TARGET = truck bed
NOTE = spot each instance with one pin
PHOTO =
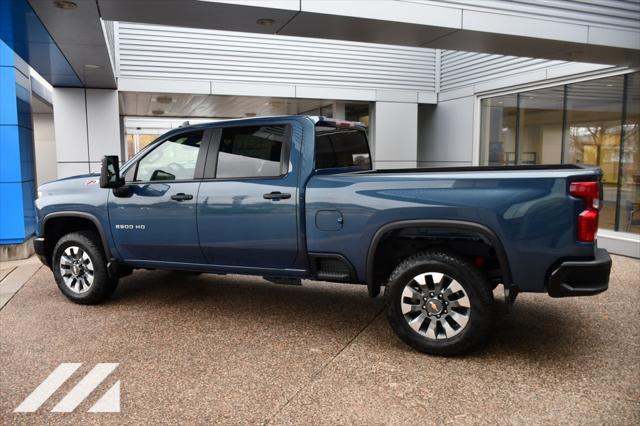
(527, 208)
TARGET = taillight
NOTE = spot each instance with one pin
(588, 219)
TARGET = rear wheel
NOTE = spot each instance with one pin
(439, 303)
(80, 268)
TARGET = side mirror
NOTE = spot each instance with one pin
(110, 172)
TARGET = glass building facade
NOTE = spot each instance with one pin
(594, 122)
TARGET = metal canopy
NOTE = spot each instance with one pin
(78, 33)
(534, 30)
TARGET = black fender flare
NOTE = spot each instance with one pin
(84, 215)
(485, 231)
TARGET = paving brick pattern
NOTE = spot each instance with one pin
(238, 350)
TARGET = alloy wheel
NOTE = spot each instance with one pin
(76, 269)
(435, 305)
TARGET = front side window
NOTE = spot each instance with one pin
(338, 147)
(173, 159)
(252, 151)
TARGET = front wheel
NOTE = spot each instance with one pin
(80, 268)
(439, 304)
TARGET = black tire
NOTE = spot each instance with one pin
(102, 286)
(479, 318)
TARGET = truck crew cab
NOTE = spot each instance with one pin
(294, 197)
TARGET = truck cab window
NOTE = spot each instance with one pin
(173, 159)
(253, 151)
(338, 147)
(130, 174)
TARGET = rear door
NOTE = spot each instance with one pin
(247, 204)
(155, 220)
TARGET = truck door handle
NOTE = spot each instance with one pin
(181, 196)
(276, 195)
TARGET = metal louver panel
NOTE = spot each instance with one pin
(150, 51)
(460, 69)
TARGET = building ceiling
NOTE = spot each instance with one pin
(211, 106)
(78, 33)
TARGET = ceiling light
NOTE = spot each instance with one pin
(157, 112)
(65, 4)
(92, 66)
(265, 22)
(163, 99)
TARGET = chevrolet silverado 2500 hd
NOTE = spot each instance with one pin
(296, 197)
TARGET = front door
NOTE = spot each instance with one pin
(247, 204)
(154, 220)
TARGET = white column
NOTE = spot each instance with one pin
(446, 133)
(338, 111)
(44, 147)
(103, 118)
(87, 127)
(395, 130)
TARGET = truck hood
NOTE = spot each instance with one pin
(79, 183)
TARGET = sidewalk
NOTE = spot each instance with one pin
(14, 274)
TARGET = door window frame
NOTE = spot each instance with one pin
(200, 161)
(211, 162)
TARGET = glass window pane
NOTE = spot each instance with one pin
(357, 112)
(540, 135)
(336, 147)
(173, 159)
(498, 131)
(136, 142)
(253, 151)
(629, 220)
(594, 118)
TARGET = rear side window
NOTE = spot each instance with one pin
(338, 147)
(252, 151)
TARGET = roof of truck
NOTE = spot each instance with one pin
(316, 119)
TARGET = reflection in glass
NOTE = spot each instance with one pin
(251, 151)
(577, 123)
(137, 141)
(498, 130)
(173, 159)
(629, 211)
(594, 122)
(540, 122)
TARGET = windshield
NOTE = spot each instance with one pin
(341, 147)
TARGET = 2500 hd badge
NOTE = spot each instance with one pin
(130, 227)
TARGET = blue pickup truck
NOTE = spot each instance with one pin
(291, 198)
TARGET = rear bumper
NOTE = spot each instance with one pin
(581, 278)
(38, 247)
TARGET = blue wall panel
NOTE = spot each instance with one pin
(17, 177)
(12, 223)
(10, 154)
